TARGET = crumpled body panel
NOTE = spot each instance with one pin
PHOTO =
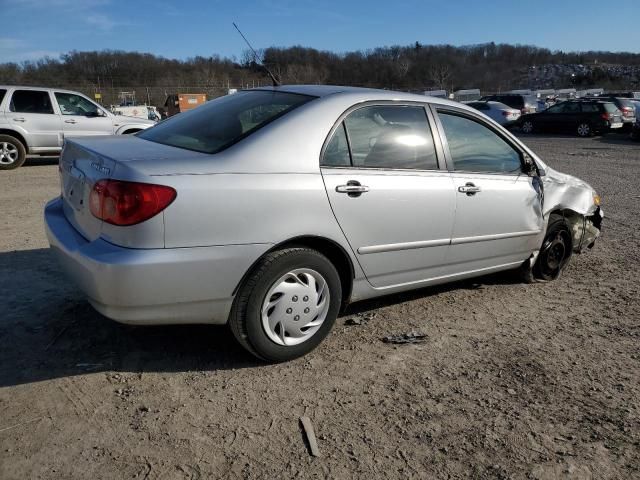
(565, 191)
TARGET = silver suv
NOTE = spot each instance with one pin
(37, 120)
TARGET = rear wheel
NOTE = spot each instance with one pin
(12, 152)
(584, 130)
(527, 126)
(287, 305)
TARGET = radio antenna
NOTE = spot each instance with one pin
(275, 81)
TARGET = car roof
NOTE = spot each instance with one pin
(31, 87)
(360, 94)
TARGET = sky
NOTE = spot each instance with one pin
(188, 28)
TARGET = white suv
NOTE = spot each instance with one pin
(37, 120)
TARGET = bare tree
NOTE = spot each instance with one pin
(440, 74)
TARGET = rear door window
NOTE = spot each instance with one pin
(31, 101)
(476, 148)
(590, 108)
(220, 123)
(571, 107)
(391, 136)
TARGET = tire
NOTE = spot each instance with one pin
(273, 298)
(12, 152)
(527, 126)
(584, 130)
(555, 251)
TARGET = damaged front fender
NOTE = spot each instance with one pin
(576, 201)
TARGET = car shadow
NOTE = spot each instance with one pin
(37, 160)
(617, 139)
(477, 283)
(48, 330)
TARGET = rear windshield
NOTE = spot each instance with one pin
(222, 122)
(625, 102)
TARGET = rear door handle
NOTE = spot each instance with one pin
(353, 188)
(469, 188)
(70, 121)
(19, 119)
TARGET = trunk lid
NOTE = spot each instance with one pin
(85, 161)
(80, 169)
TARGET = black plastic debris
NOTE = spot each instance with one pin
(411, 337)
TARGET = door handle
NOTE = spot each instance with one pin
(353, 188)
(469, 188)
(19, 119)
(70, 121)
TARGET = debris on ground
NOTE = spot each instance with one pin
(360, 319)
(311, 436)
(411, 337)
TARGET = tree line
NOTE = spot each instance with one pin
(489, 67)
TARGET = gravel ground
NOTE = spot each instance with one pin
(512, 380)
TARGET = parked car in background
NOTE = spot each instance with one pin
(635, 131)
(582, 117)
(524, 103)
(499, 112)
(626, 106)
(38, 120)
(273, 221)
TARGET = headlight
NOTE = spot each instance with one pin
(596, 199)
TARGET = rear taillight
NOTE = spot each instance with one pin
(505, 113)
(607, 116)
(127, 203)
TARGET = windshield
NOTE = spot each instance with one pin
(222, 122)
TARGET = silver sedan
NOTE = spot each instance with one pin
(499, 112)
(271, 209)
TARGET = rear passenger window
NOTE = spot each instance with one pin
(476, 148)
(337, 152)
(391, 136)
(590, 108)
(571, 107)
(31, 101)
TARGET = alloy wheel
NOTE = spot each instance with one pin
(527, 127)
(584, 129)
(8, 153)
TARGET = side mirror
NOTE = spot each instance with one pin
(95, 113)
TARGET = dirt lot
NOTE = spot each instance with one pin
(513, 381)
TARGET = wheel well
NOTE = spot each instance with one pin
(330, 249)
(15, 134)
(129, 131)
(575, 221)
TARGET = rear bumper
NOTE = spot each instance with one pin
(150, 286)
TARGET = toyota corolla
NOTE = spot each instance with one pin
(273, 208)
